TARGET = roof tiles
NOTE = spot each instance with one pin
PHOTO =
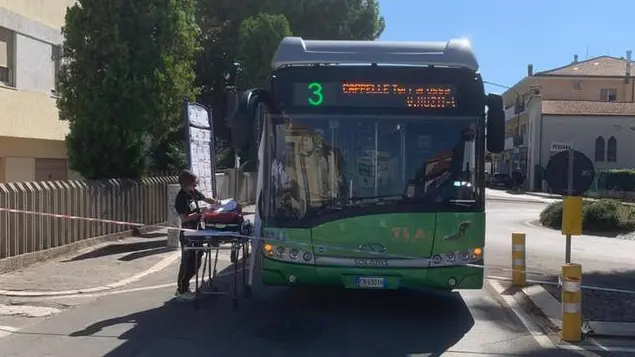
(579, 107)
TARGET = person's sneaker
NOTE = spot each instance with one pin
(186, 296)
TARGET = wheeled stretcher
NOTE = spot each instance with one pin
(221, 231)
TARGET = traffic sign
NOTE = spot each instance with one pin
(557, 173)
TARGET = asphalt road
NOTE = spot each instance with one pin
(606, 262)
(277, 322)
(143, 321)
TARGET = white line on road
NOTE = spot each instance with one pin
(7, 330)
(597, 348)
(543, 340)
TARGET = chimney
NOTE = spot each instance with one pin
(628, 64)
(530, 70)
(575, 58)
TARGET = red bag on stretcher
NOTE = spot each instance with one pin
(226, 221)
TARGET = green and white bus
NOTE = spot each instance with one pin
(371, 164)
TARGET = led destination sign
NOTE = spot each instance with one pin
(357, 94)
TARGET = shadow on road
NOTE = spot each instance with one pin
(137, 250)
(279, 321)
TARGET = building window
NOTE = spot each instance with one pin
(611, 151)
(56, 57)
(608, 94)
(599, 149)
(6, 56)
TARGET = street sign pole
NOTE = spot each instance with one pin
(567, 253)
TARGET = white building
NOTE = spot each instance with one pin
(603, 131)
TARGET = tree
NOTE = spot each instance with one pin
(218, 67)
(258, 38)
(127, 66)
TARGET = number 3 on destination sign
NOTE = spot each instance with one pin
(316, 90)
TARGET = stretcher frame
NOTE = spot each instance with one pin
(212, 241)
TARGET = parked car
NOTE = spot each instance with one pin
(500, 180)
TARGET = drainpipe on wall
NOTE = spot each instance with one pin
(628, 74)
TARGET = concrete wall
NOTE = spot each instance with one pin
(582, 131)
(30, 128)
(30, 106)
(48, 12)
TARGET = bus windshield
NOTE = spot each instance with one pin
(326, 163)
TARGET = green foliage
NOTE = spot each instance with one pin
(226, 23)
(258, 38)
(599, 216)
(127, 67)
(619, 179)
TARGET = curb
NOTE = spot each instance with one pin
(164, 263)
(514, 200)
(551, 307)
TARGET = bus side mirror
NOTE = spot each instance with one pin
(495, 124)
(242, 124)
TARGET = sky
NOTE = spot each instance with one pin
(508, 35)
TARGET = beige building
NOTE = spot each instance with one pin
(31, 134)
(599, 79)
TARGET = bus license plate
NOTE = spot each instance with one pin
(371, 282)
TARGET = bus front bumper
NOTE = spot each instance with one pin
(438, 278)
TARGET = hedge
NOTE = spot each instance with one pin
(598, 216)
(618, 179)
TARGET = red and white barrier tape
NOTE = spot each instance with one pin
(100, 220)
(256, 238)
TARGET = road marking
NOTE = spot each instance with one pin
(28, 310)
(570, 347)
(7, 330)
(543, 340)
(597, 343)
(162, 264)
(131, 290)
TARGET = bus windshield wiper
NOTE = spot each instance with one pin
(384, 197)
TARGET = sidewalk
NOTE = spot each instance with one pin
(98, 268)
(559, 197)
(502, 195)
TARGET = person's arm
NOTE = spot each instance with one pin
(181, 207)
(201, 197)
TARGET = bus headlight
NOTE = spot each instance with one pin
(457, 257)
(288, 254)
(307, 256)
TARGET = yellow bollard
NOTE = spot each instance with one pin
(519, 276)
(571, 330)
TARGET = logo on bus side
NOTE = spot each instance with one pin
(405, 233)
(377, 248)
(460, 232)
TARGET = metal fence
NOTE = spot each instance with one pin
(141, 201)
(138, 201)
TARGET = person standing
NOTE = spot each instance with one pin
(187, 206)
